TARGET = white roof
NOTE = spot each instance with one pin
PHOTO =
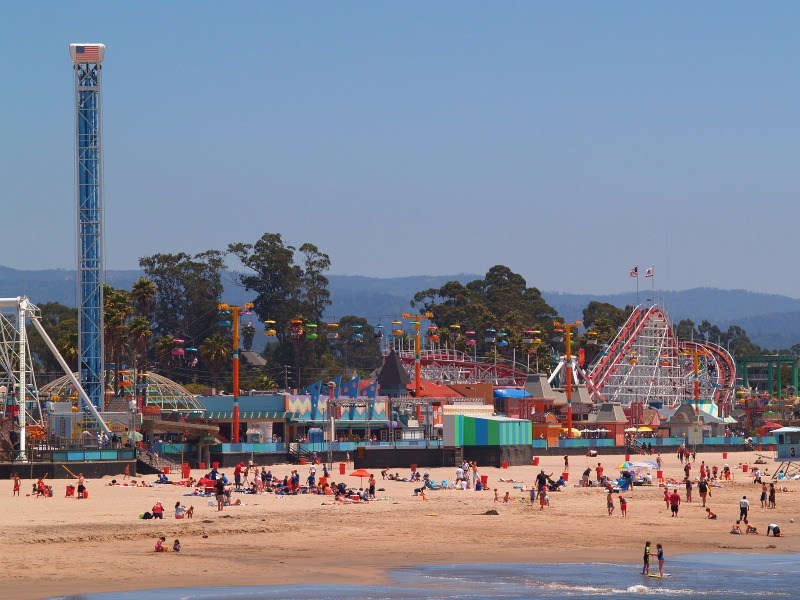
(785, 430)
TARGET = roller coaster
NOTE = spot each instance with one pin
(644, 362)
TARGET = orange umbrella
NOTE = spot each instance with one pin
(360, 473)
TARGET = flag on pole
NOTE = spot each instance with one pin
(635, 271)
(87, 53)
(649, 272)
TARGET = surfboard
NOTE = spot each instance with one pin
(657, 576)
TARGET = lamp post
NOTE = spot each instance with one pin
(568, 369)
(417, 365)
(234, 310)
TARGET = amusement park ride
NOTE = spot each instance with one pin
(645, 363)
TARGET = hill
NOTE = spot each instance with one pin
(770, 320)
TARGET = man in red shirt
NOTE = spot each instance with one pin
(599, 471)
(674, 502)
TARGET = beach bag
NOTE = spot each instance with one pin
(147, 515)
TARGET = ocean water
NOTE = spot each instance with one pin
(708, 576)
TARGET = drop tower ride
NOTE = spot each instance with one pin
(86, 62)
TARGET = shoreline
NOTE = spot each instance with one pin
(100, 545)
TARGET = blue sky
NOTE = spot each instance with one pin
(568, 141)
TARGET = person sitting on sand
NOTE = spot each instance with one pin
(507, 498)
(710, 514)
(749, 528)
(180, 510)
(176, 546)
(736, 529)
(160, 544)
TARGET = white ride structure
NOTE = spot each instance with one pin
(16, 368)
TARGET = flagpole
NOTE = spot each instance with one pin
(653, 283)
(637, 285)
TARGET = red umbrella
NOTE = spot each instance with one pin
(360, 473)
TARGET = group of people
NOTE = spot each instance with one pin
(160, 547)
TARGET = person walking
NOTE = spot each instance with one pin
(744, 506)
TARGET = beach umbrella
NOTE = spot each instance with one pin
(626, 465)
(645, 464)
(360, 473)
(645, 428)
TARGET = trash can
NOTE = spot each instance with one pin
(535, 461)
(342, 467)
(165, 469)
(724, 455)
(659, 475)
(504, 464)
(565, 475)
(186, 471)
(215, 465)
(413, 467)
(302, 460)
(202, 466)
(745, 468)
(485, 481)
(628, 457)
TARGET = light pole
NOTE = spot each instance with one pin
(417, 365)
(568, 369)
(234, 310)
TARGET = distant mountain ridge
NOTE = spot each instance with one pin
(770, 320)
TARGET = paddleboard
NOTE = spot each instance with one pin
(657, 576)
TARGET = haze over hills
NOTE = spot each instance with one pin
(770, 320)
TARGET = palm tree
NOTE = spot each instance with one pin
(139, 332)
(215, 352)
(163, 349)
(68, 348)
(143, 295)
(117, 310)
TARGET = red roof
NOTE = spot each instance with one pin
(430, 389)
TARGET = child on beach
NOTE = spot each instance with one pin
(710, 514)
(160, 544)
(610, 504)
(496, 495)
(15, 492)
(646, 567)
(623, 506)
(176, 546)
(542, 499)
(660, 555)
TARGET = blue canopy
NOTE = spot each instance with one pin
(511, 393)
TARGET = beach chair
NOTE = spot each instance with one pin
(445, 484)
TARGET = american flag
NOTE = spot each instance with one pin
(87, 53)
(635, 271)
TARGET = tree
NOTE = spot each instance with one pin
(188, 292)
(140, 332)
(275, 279)
(117, 309)
(143, 295)
(501, 301)
(61, 324)
(215, 353)
(313, 282)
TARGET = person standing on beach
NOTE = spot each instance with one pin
(702, 487)
(646, 566)
(771, 500)
(599, 471)
(660, 555)
(688, 490)
(610, 504)
(219, 488)
(566, 463)
(674, 502)
(623, 506)
(744, 505)
(659, 462)
(15, 477)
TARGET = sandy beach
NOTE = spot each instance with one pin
(57, 546)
